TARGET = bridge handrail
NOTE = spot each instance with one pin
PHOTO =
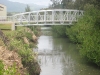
(6, 18)
(49, 10)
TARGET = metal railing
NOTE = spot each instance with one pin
(6, 18)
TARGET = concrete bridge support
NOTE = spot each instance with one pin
(13, 26)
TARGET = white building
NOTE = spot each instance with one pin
(3, 10)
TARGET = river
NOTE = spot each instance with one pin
(61, 57)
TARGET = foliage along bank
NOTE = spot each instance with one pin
(22, 41)
(59, 30)
(86, 32)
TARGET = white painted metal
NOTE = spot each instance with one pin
(6, 19)
(48, 17)
(44, 17)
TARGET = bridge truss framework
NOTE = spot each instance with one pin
(44, 17)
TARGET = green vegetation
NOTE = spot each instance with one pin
(10, 71)
(73, 4)
(5, 26)
(36, 29)
(1, 68)
(59, 30)
(86, 32)
(24, 50)
(27, 9)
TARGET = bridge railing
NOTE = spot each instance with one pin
(6, 18)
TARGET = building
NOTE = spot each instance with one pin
(3, 10)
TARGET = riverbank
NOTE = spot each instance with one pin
(19, 44)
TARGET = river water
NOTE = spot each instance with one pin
(58, 56)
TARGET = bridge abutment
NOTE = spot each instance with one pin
(13, 26)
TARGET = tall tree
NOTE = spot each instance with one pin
(67, 4)
(56, 4)
(27, 9)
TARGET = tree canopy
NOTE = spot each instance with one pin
(73, 4)
(27, 9)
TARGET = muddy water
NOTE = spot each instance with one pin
(57, 56)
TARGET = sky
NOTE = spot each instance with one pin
(38, 2)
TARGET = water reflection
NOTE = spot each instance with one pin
(57, 64)
(45, 43)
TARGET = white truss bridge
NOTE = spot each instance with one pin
(43, 17)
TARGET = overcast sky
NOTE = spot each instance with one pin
(38, 2)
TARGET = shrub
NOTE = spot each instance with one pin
(87, 32)
(24, 50)
(1, 68)
(10, 71)
(60, 30)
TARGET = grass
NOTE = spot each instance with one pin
(10, 71)
(5, 26)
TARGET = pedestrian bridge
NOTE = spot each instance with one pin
(44, 17)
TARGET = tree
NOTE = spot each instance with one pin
(62, 4)
(27, 9)
(66, 3)
(80, 4)
(73, 4)
(56, 4)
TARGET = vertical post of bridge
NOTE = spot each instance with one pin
(29, 16)
(67, 15)
(45, 17)
(70, 17)
(13, 26)
(37, 17)
(13, 23)
(20, 19)
(53, 13)
(61, 17)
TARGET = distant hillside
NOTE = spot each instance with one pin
(19, 7)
